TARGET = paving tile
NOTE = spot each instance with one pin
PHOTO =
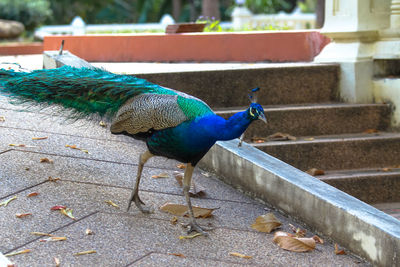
(99, 172)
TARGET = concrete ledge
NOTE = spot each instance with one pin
(275, 46)
(360, 227)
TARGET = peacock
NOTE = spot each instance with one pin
(173, 124)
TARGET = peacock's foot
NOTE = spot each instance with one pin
(138, 202)
(193, 226)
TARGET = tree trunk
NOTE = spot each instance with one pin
(176, 9)
(320, 11)
(210, 9)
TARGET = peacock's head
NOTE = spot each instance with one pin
(256, 111)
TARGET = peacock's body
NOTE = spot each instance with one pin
(173, 124)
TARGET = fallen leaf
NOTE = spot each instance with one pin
(315, 172)
(67, 212)
(236, 254)
(339, 251)
(18, 252)
(370, 131)
(181, 166)
(89, 232)
(51, 179)
(27, 169)
(40, 138)
(194, 190)
(182, 210)
(71, 146)
(109, 202)
(295, 244)
(54, 239)
(386, 169)
(21, 215)
(57, 262)
(33, 194)
(41, 234)
(45, 160)
(256, 139)
(309, 139)
(174, 220)
(298, 231)
(161, 175)
(5, 202)
(318, 239)
(58, 207)
(17, 145)
(177, 254)
(85, 252)
(102, 124)
(280, 137)
(266, 223)
(189, 236)
(2, 118)
(77, 148)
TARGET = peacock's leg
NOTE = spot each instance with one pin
(135, 192)
(187, 179)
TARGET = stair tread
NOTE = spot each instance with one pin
(365, 172)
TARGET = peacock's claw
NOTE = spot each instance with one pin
(193, 226)
(138, 202)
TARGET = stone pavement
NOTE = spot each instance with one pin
(122, 238)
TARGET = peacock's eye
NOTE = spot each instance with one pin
(253, 111)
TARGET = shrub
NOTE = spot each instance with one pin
(29, 12)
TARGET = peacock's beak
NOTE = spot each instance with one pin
(262, 117)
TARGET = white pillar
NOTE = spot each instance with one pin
(241, 17)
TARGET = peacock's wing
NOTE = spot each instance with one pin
(156, 111)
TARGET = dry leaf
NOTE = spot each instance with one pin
(295, 244)
(71, 146)
(102, 124)
(57, 262)
(177, 254)
(161, 175)
(22, 215)
(181, 166)
(41, 234)
(386, 169)
(280, 137)
(51, 179)
(5, 202)
(309, 139)
(370, 131)
(2, 118)
(256, 139)
(58, 207)
(54, 239)
(33, 194)
(85, 252)
(174, 220)
(189, 236)
(18, 252)
(77, 148)
(89, 232)
(182, 210)
(236, 254)
(194, 190)
(318, 239)
(39, 138)
(315, 172)
(109, 202)
(17, 145)
(339, 251)
(266, 223)
(298, 231)
(45, 160)
(67, 212)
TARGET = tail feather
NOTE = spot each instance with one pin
(85, 91)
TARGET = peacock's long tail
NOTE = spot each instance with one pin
(86, 91)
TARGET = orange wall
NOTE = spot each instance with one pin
(283, 46)
(21, 48)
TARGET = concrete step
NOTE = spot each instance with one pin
(369, 185)
(334, 152)
(286, 83)
(317, 119)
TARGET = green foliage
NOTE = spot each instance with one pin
(212, 25)
(30, 12)
(308, 6)
(269, 6)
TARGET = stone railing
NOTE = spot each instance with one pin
(242, 18)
